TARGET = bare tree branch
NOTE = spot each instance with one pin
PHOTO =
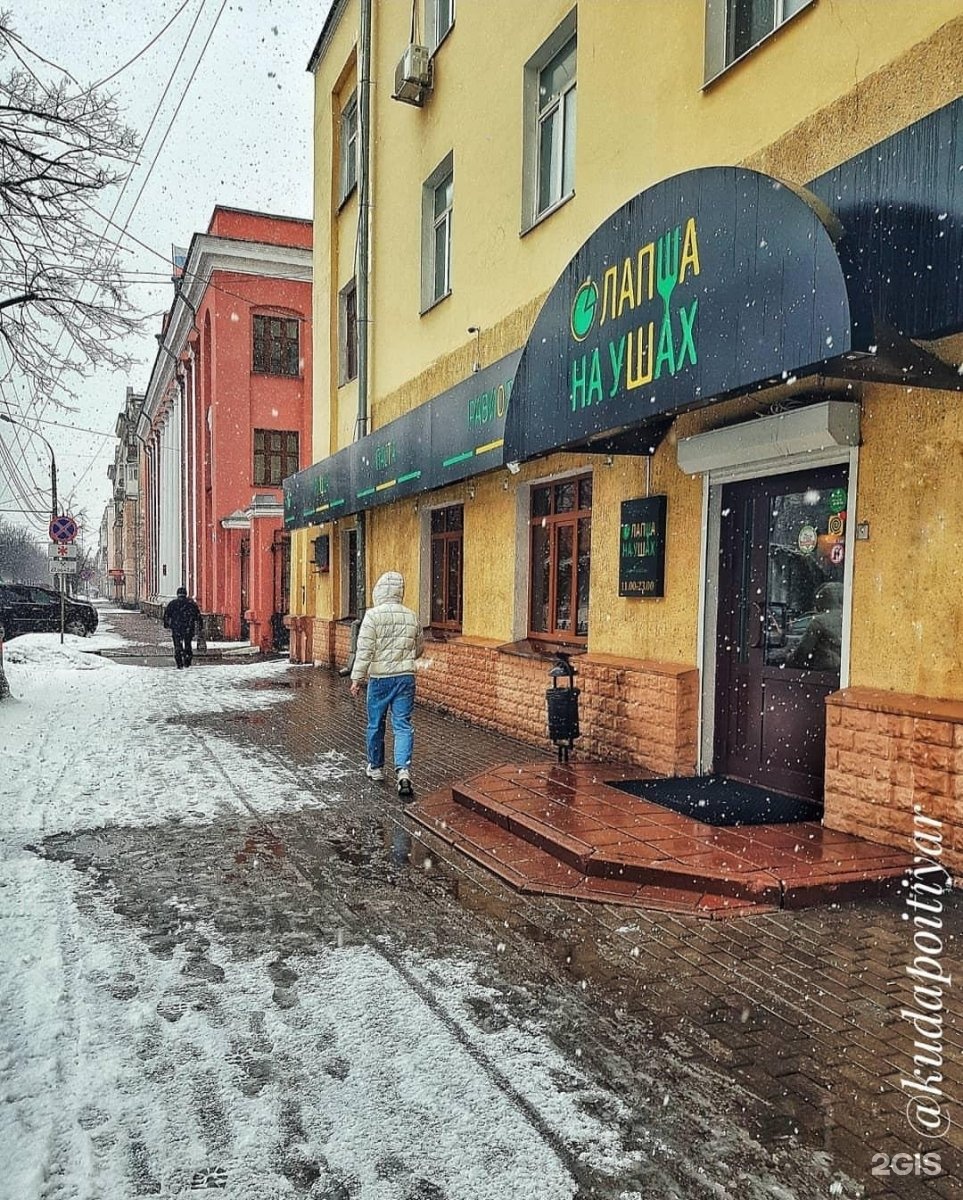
(63, 301)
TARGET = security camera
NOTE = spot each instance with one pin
(513, 467)
(473, 329)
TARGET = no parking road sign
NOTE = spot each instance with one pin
(63, 529)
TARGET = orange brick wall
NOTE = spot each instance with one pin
(630, 711)
(887, 753)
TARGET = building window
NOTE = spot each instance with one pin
(350, 572)
(276, 346)
(436, 234)
(275, 456)
(561, 537)
(441, 17)
(349, 147)
(348, 332)
(447, 526)
(734, 27)
(549, 128)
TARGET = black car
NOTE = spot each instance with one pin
(28, 609)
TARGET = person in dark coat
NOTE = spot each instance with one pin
(183, 618)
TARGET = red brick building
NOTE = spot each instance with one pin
(227, 416)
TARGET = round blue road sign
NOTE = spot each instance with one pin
(63, 529)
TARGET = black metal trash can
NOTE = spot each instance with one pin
(562, 704)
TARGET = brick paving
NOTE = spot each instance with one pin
(790, 1018)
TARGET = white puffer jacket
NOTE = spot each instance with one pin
(389, 639)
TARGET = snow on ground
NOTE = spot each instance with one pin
(124, 1073)
(86, 742)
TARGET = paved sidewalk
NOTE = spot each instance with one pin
(786, 1023)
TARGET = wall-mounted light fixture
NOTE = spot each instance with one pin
(608, 460)
(471, 491)
(476, 365)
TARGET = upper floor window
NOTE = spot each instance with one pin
(733, 27)
(275, 456)
(349, 146)
(440, 17)
(561, 541)
(447, 525)
(348, 332)
(437, 196)
(276, 346)
(549, 127)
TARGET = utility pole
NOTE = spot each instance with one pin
(53, 498)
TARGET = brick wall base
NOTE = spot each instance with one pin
(630, 710)
(892, 757)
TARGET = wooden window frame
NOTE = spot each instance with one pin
(264, 339)
(441, 543)
(285, 455)
(553, 521)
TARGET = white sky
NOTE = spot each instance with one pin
(242, 137)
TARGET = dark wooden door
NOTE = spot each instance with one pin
(779, 627)
(245, 596)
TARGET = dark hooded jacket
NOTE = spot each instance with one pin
(182, 617)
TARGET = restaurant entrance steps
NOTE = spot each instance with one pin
(565, 830)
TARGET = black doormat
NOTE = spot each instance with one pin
(715, 800)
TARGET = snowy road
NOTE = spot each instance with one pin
(146, 1047)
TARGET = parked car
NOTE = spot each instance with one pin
(28, 609)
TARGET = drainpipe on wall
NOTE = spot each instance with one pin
(363, 267)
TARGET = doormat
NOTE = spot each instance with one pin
(715, 800)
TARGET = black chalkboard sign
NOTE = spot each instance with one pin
(642, 547)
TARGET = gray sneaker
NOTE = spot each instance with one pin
(375, 773)
(405, 787)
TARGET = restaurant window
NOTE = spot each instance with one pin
(275, 456)
(734, 27)
(349, 147)
(560, 542)
(447, 526)
(437, 197)
(350, 572)
(549, 127)
(276, 346)
(348, 332)
(440, 18)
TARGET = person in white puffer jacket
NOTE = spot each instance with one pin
(389, 641)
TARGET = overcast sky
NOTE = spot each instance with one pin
(241, 137)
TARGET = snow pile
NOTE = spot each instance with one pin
(44, 651)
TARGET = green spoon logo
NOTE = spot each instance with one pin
(583, 310)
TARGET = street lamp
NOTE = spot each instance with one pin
(53, 462)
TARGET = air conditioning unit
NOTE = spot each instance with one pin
(413, 76)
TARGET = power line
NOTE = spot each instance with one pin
(130, 62)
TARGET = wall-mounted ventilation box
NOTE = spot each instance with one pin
(413, 76)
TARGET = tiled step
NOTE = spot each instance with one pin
(531, 870)
(548, 828)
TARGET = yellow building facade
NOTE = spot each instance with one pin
(663, 328)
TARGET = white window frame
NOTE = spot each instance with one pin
(535, 115)
(430, 224)
(435, 28)
(348, 145)
(718, 13)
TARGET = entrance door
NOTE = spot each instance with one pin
(245, 597)
(779, 627)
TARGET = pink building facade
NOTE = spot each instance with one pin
(226, 417)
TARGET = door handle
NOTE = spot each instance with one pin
(755, 634)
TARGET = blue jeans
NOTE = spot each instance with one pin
(397, 693)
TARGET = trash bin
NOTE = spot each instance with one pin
(562, 704)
